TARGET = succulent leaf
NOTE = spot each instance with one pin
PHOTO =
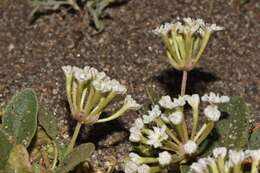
(19, 160)
(20, 117)
(5, 148)
(254, 140)
(48, 122)
(78, 155)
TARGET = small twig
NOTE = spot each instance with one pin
(45, 158)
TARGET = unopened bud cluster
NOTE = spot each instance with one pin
(90, 92)
(164, 129)
(233, 161)
(185, 41)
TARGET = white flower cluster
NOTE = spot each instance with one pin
(211, 111)
(232, 159)
(137, 164)
(214, 98)
(99, 80)
(134, 165)
(89, 92)
(186, 26)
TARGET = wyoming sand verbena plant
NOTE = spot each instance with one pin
(185, 41)
(89, 93)
(163, 130)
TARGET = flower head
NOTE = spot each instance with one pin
(236, 157)
(219, 152)
(177, 37)
(190, 147)
(167, 102)
(176, 117)
(214, 98)
(157, 136)
(212, 113)
(152, 114)
(165, 158)
(131, 103)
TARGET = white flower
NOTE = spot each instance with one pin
(193, 100)
(101, 86)
(156, 136)
(213, 27)
(130, 167)
(176, 117)
(212, 113)
(197, 168)
(190, 147)
(80, 75)
(254, 154)
(213, 98)
(67, 70)
(131, 103)
(117, 87)
(135, 134)
(144, 169)
(165, 158)
(152, 114)
(139, 123)
(179, 102)
(236, 157)
(163, 29)
(135, 158)
(224, 99)
(167, 102)
(220, 152)
(91, 71)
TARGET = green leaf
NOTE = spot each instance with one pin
(20, 117)
(5, 148)
(48, 122)
(78, 155)
(19, 160)
(232, 131)
(254, 140)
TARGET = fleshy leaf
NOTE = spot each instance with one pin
(254, 140)
(78, 155)
(48, 122)
(20, 117)
(5, 148)
(19, 160)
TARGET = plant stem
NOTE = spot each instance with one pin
(74, 138)
(184, 82)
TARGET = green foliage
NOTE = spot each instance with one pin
(24, 127)
(78, 155)
(254, 140)
(5, 148)
(18, 161)
(232, 131)
(95, 8)
(48, 122)
(20, 117)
